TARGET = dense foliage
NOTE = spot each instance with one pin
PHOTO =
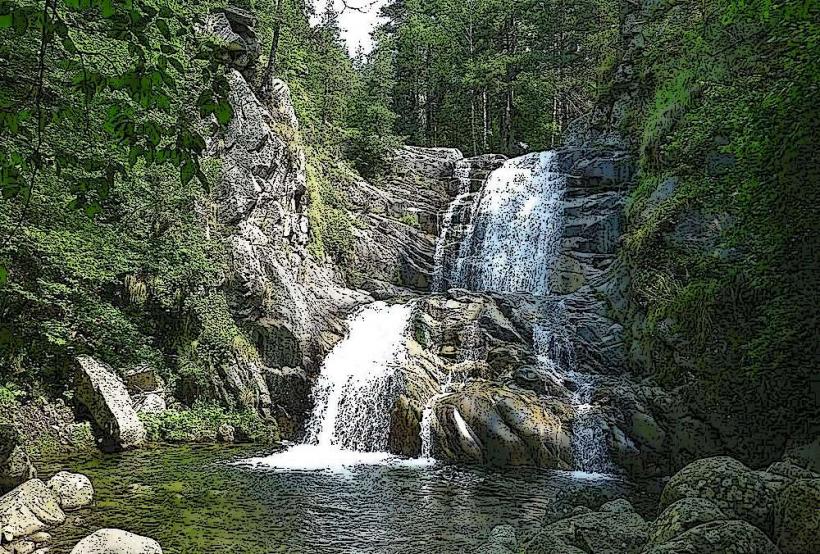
(108, 240)
(724, 237)
(493, 75)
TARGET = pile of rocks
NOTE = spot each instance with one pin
(30, 510)
(712, 505)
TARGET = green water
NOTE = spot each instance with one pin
(192, 500)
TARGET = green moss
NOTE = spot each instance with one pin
(411, 219)
(331, 224)
(202, 422)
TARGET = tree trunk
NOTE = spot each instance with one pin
(270, 69)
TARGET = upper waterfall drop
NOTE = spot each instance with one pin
(515, 229)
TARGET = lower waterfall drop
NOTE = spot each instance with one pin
(352, 398)
(556, 358)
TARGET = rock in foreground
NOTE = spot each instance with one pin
(726, 537)
(72, 490)
(29, 508)
(15, 466)
(116, 541)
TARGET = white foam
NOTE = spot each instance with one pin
(329, 458)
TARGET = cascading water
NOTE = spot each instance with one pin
(515, 231)
(441, 269)
(357, 385)
(588, 437)
(511, 245)
(556, 359)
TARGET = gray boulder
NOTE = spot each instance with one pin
(116, 541)
(620, 505)
(72, 490)
(724, 537)
(502, 540)
(105, 397)
(150, 404)
(791, 470)
(15, 465)
(797, 517)
(29, 508)
(487, 423)
(737, 490)
(682, 516)
(544, 543)
(593, 533)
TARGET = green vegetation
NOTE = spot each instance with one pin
(491, 75)
(202, 424)
(108, 244)
(725, 262)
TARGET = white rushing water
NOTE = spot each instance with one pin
(445, 238)
(556, 359)
(515, 228)
(353, 396)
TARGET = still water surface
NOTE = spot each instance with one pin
(196, 500)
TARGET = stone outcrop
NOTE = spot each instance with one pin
(731, 537)
(502, 540)
(72, 490)
(234, 29)
(15, 465)
(797, 517)
(116, 541)
(290, 305)
(738, 491)
(489, 424)
(28, 509)
(681, 516)
(100, 390)
(399, 219)
(592, 532)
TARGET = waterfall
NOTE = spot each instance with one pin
(358, 383)
(511, 243)
(588, 437)
(515, 230)
(445, 241)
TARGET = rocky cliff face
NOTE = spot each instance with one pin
(290, 305)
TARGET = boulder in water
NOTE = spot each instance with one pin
(487, 423)
(502, 541)
(682, 516)
(72, 490)
(544, 543)
(797, 517)
(104, 394)
(594, 533)
(618, 506)
(729, 537)
(29, 508)
(116, 541)
(737, 490)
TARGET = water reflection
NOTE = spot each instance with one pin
(193, 500)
